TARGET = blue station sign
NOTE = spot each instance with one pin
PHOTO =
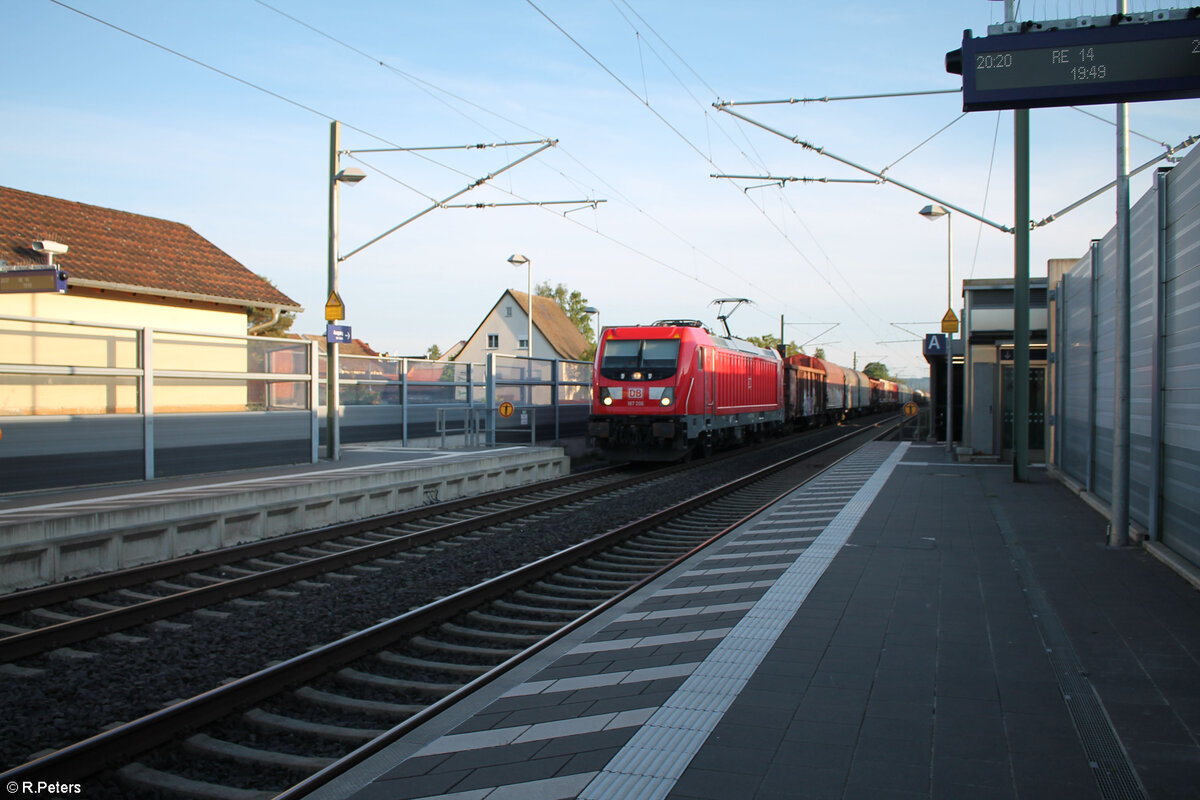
(337, 334)
(935, 344)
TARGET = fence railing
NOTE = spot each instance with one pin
(85, 402)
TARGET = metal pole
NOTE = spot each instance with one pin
(1118, 534)
(332, 427)
(1021, 299)
(949, 337)
(529, 291)
(1020, 284)
(1157, 364)
(147, 401)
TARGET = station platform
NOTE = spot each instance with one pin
(50, 536)
(903, 626)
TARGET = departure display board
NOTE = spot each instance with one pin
(1080, 66)
(20, 281)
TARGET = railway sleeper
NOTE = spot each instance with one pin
(507, 637)
(626, 572)
(614, 577)
(51, 617)
(205, 745)
(210, 580)
(357, 704)
(618, 560)
(412, 662)
(356, 676)
(643, 547)
(172, 587)
(235, 572)
(583, 582)
(524, 622)
(139, 776)
(284, 724)
(132, 594)
(559, 589)
(550, 595)
(261, 564)
(92, 606)
(478, 651)
(665, 538)
(296, 558)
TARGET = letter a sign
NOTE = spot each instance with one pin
(935, 344)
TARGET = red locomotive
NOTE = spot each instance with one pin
(661, 390)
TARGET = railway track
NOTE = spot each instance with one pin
(38, 620)
(42, 619)
(302, 721)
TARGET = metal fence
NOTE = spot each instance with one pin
(86, 403)
(1164, 351)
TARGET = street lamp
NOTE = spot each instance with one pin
(517, 260)
(596, 311)
(931, 213)
(337, 175)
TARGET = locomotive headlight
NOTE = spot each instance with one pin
(668, 397)
(606, 396)
(606, 400)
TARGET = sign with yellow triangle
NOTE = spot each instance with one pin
(334, 308)
(950, 322)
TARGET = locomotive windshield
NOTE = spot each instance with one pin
(639, 359)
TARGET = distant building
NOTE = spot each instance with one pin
(505, 330)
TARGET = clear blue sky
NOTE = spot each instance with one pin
(98, 116)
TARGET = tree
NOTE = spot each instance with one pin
(819, 353)
(877, 370)
(573, 305)
(433, 353)
(259, 316)
(771, 342)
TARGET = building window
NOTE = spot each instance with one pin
(508, 311)
(523, 344)
(493, 341)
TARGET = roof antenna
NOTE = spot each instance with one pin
(723, 316)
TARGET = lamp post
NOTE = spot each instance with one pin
(596, 311)
(337, 175)
(932, 212)
(516, 259)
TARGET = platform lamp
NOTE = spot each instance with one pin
(596, 311)
(337, 176)
(931, 213)
(516, 259)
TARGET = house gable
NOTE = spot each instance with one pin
(555, 335)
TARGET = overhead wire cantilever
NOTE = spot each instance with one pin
(879, 175)
(442, 203)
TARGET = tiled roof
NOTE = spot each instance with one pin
(128, 251)
(554, 324)
(354, 347)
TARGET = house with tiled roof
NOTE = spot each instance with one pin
(126, 273)
(505, 329)
(128, 268)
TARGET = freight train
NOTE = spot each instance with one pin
(663, 391)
